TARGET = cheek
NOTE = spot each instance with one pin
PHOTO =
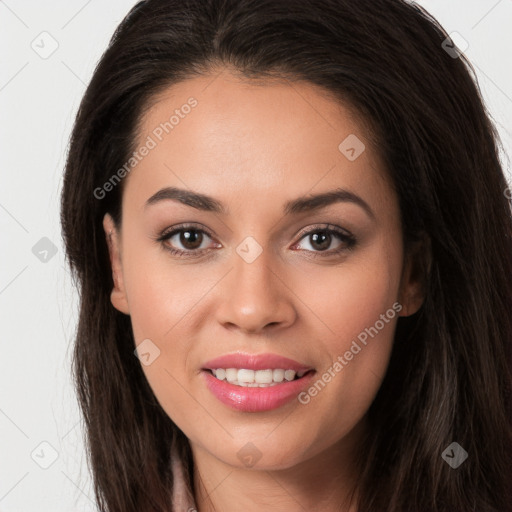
(161, 301)
(350, 297)
(161, 294)
(358, 308)
(163, 298)
(361, 319)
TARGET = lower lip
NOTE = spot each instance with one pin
(247, 399)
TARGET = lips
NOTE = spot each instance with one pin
(255, 362)
(252, 397)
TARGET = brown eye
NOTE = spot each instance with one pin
(191, 238)
(186, 241)
(320, 240)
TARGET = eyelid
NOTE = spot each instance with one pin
(183, 227)
(324, 227)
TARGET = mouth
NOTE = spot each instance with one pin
(256, 382)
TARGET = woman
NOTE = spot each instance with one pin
(292, 241)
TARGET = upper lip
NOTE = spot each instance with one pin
(255, 362)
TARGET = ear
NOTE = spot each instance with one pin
(417, 264)
(118, 295)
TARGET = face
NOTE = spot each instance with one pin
(293, 250)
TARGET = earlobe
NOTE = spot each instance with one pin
(118, 294)
(415, 276)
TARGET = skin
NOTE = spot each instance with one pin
(254, 146)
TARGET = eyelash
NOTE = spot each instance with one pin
(348, 240)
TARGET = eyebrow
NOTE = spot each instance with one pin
(299, 205)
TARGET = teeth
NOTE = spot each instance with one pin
(231, 374)
(278, 375)
(289, 375)
(256, 378)
(263, 376)
(245, 376)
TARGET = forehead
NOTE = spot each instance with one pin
(244, 139)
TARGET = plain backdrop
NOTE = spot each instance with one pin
(49, 51)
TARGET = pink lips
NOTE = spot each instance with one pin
(255, 362)
(249, 399)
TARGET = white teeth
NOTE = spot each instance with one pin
(289, 374)
(263, 376)
(278, 375)
(258, 378)
(231, 374)
(245, 375)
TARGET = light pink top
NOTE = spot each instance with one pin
(182, 497)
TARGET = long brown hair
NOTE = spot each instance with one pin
(449, 378)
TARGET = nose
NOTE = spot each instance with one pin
(255, 298)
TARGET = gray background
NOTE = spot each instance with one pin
(39, 95)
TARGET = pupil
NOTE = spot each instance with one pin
(191, 237)
(321, 239)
